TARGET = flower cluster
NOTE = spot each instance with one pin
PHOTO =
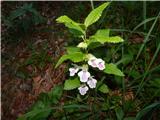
(97, 62)
(85, 77)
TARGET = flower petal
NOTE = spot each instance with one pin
(73, 71)
(83, 90)
(84, 75)
(92, 62)
(92, 83)
(100, 64)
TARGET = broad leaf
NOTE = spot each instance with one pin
(112, 69)
(103, 88)
(119, 113)
(74, 57)
(103, 32)
(82, 45)
(102, 39)
(38, 114)
(70, 50)
(70, 23)
(95, 14)
(71, 84)
(55, 94)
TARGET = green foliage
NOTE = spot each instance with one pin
(41, 109)
(55, 94)
(70, 24)
(114, 97)
(148, 111)
(95, 15)
(103, 39)
(103, 32)
(119, 113)
(70, 50)
(103, 88)
(112, 69)
(38, 114)
(71, 84)
(74, 57)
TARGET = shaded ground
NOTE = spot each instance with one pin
(21, 84)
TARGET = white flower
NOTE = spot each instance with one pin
(100, 64)
(84, 75)
(93, 62)
(83, 90)
(73, 71)
(92, 82)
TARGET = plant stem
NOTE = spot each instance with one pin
(145, 74)
(92, 5)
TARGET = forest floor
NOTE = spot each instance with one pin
(18, 91)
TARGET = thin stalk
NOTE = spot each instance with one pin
(144, 28)
(123, 83)
(145, 41)
(149, 72)
(130, 31)
(153, 59)
(147, 37)
(92, 5)
(144, 13)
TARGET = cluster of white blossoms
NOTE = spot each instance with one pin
(85, 77)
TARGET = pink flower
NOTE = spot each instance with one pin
(73, 71)
(100, 64)
(92, 82)
(84, 75)
(93, 62)
(83, 90)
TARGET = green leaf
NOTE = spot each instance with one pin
(55, 94)
(74, 57)
(82, 45)
(103, 39)
(95, 14)
(38, 114)
(119, 113)
(103, 32)
(147, 110)
(127, 58)
(71, 84)
(103, 88)
(70, 23)
(72, 49)
(112, 69)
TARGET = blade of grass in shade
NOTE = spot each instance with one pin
(145, 41)
(144, 13)
(123, 81)
(156, 68)
(145, 74)
(76, 106)
(84, 116)
(147, 37)
(129, 31)
(143, 23)
(147, 110)
(144, 28)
